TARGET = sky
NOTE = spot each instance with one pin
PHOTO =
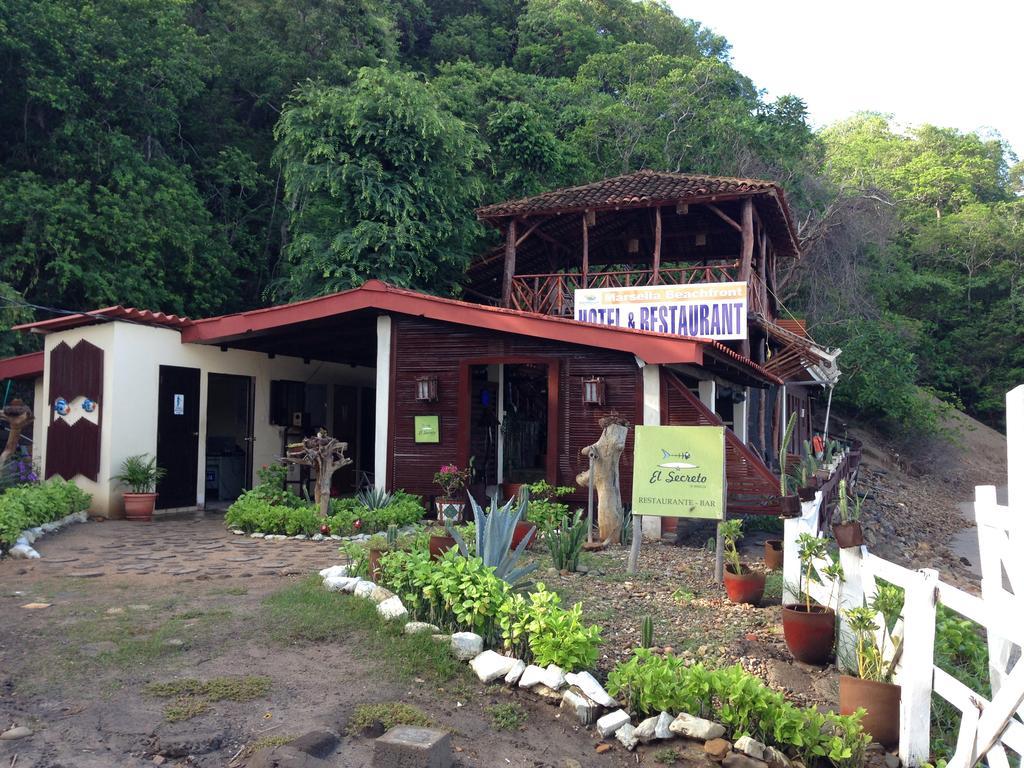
(951, 64)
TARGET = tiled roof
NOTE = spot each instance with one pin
(27, 366)
(631, 190)
(127, 314)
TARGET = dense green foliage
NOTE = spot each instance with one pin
(739, 701)
(271, 508)
(460, 593)
(201, 156)
(32, 505)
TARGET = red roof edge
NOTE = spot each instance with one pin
(118, 312)
(28, 366)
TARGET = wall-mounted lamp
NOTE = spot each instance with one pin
(701, 238)
(594, 391)
(426, 389)
(633, 245)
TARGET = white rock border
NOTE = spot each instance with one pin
(23, 549)
(315, 537)
(580, 692)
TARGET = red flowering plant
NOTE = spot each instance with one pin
(451, 479)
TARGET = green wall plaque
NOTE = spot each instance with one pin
(428, 429)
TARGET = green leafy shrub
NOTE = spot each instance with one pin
(29, 506)
(454, 592)
(742, 703)
(252, 513)
(544, 511)
(271, 488)
(536, 627)
(402, 509)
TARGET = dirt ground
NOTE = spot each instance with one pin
(176, 605)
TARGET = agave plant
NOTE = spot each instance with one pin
(494, 532)
(374, 498)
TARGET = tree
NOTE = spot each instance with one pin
(380, 181)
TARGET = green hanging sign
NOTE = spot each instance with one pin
(679, 472)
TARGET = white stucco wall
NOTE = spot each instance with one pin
(133, 355)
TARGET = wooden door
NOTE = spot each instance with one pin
(177, 436)
(346, 429)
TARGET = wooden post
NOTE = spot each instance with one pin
(1015, 446)
(605, 454)
(590, 501)
(657, 244)
(586, 250)
(918, 670)
(747, 243)
(17, 415)
(634, 547)
(719, 554)
(510, 263)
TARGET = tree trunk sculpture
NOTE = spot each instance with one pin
(606, 453)
(326, 455)
(18, 416)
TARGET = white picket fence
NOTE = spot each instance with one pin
(988, 728)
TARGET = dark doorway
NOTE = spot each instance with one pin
(525, 423)
(229, 424)
(353, 423)
(177, 436)
(483, 426)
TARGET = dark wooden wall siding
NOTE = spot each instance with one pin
(76, 371)
(752, 489)
(74, 449)
(424, 347)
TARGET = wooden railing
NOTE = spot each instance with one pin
(553, 294)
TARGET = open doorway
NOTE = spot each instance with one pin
(354, 423)
(229, 426)
(525, 423)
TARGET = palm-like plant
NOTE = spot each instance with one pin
(494, 533)
(139, 474)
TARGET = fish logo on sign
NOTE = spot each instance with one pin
(680, 463)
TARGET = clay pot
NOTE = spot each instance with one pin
(790, 506)
(882, 702)
(139, 506)
(439, 545)
(848, 535)
(375, 563)
(806, 493)
(510, 490)
(773, 554)
(522, 531)
(809, 636)
(747, 586)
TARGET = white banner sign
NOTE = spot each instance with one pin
(703, 310)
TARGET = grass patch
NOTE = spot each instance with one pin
(307, 613)
(667, 756)
(193, 696)
(267, 742)
(185, 709)
(389, 714)
(507, 717)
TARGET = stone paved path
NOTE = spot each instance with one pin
(175, 550)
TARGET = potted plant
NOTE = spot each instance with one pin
(809, 628)
(848, 531)
(452, 481)
(442, 542)
(806, 480)
(524, 528)
(871, 688)
(141, 475)
(789, 505)
(742, 584)
(773, 554)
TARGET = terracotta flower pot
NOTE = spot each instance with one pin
(773, 554)
(809, 635)
(790, 506)
(439, 545)
(744, 587)
(139, 506)
(848, 535)
(510, 490)
(882, 702)
(375, 563)
(522, 531)
(807, 492)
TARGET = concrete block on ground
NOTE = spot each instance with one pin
(611, 722)
(407, 746)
